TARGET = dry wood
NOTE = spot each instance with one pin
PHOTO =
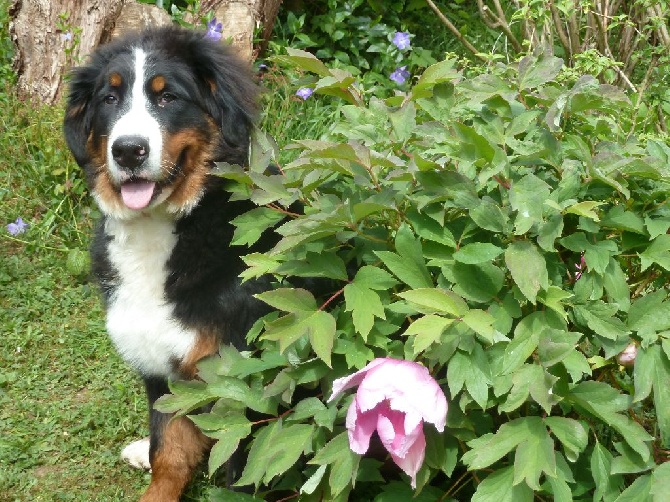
(43, 52)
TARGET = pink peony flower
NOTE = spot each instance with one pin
(394, 398)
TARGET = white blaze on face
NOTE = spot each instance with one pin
(137, 121)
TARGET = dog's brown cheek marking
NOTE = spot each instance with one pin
(172, 466)
(99, 181)
(193, 148)
(206, 344)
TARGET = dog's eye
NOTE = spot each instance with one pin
(111, 99)
(166, 98)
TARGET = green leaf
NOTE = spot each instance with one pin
(471, 371)
(660, 482)
(304, 60)
(598, 317)
(604, 402)
(650, 312)
(526, 338)
(585, 209)
(527, 197)
(488, 215)
(186, 396)
(477, 252)
(318, 325)
(479, 283)
(481, 322)
(658, 252)
(571, 433)
(365, 305)
(289, 299)
(528, 268)
(652, 370)
(251, 225)
(276, 448)
(409, 272)
(640, 490)
(228, 439)
(313, 482)
(374, 278)
(433, 300)
(499, 487)
(534, 71)
(426, 330)
(343, 461)
(489, 448)
(534, 457)
(607, 485)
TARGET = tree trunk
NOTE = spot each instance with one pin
(50, 36)
(240, 18)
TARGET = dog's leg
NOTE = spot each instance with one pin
(177, 447)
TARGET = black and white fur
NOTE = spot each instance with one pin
(147, 116)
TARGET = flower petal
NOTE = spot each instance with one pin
(392, 432)
(344, 383)
(409, 387)
(360, 427)
(412, 461)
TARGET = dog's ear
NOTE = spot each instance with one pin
(78, 112)
(231, 97)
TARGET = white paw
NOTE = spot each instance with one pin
(137, 454)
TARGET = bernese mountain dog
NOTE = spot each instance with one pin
(147, 118)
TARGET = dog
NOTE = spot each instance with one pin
(147, 117)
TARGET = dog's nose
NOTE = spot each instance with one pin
(130, 152)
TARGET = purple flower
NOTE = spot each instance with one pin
(304, 92)
(66, 37)
(580, 267)
(628, 355)
(400, 75)
(401, 40)
(17, 227)
(214, 30)
(394, 398)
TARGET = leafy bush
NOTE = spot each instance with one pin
(507, 231)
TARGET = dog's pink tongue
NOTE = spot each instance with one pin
(137, 194)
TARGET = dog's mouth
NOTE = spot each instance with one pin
(138, 193)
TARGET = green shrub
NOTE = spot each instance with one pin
(507, 230)
(510, 233)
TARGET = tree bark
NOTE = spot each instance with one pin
(50, 36)
(240, 18)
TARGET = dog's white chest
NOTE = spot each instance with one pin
(140, 320)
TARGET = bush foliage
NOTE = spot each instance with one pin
(506, 230)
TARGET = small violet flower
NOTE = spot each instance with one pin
(66, 37)
(394, 398)
(304, 92)
(214, 30)
(401, 40)
(400, 75)
(17, 227)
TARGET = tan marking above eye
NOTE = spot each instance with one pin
(158, 84)
(115, 80)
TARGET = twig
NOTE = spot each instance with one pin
(455, 31)
(494, 22)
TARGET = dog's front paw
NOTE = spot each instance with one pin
(137, 454)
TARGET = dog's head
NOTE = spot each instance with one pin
(148, 115)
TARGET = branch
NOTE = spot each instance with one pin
(494, 22)
(455, 31)
(560, 31)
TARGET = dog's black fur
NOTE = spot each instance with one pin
(203, 101)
